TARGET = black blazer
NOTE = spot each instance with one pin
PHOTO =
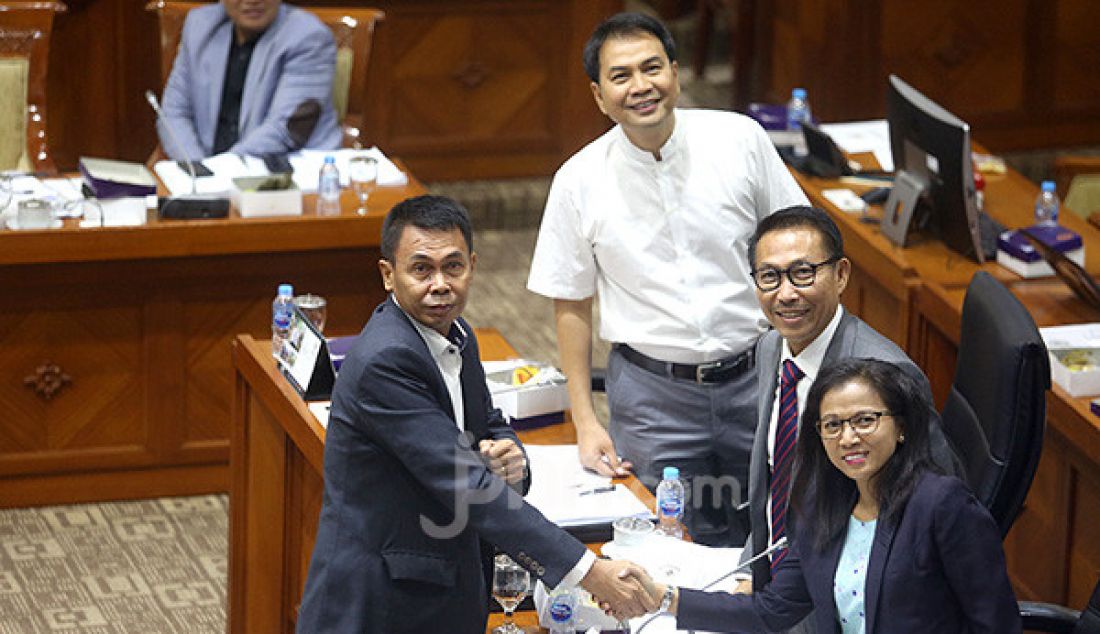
(395, 466)
(938, 568)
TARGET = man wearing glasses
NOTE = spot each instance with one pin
(799, 268)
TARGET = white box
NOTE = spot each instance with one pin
(528, 400)
(1038, 268)
(252, 203)
(1077, 383)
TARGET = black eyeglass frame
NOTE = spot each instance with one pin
(848, 421)
(779, 273)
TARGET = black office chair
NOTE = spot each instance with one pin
(1047, 617)
(996, 412)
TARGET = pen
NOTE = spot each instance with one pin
(606, 489)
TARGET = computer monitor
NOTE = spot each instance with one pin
(931, 150)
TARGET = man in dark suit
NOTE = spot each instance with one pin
(798, 264)
(422, 474)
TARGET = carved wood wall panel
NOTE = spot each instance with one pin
(1023, 73)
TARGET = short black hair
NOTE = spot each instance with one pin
(623, 25)
(820, 493)
(800, 216)
(431, 213)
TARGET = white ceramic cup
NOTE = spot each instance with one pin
(34, 214)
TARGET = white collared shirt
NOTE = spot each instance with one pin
(809, 361)
(665, 243)
(448, 358)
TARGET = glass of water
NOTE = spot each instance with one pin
(511, 583)
(315, 308)
(363, 173)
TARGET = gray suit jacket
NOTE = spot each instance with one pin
(396, 465)
(294, 62)
(853, 339)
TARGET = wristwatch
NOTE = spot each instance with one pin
(666, 601)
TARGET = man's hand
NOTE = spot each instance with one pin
(505, 459)
(743, 587)
(617, 584)
(597, 452)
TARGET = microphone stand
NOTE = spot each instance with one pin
(191, 205)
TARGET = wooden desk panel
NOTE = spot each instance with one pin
(1052, 550)
(277, 487)
(132, 325)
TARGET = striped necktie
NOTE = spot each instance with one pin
(786, 432)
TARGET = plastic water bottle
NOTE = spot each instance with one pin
(563, 609)
(798, 109)
(281, 310)
(328, 188)
(798, 112)
(670, 503)
(1046, 205)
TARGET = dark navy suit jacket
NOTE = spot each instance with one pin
(395, 466)
(938, 568)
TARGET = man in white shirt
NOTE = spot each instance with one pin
(654, 216)
(422, 475)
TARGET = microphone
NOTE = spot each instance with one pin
(191, 205)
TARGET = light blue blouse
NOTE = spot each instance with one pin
(851, 576)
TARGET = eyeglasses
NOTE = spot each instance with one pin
(862, 424)
(800, 274)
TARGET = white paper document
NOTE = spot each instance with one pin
(864, 136)
(568, 495)
(320, 411)
(306, 164)
(1071, 337)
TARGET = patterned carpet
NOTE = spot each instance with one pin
(149, 566)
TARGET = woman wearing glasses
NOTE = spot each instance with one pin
(881, 541)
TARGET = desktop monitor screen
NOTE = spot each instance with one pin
(932, 146)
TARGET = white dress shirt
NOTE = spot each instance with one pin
(448, 358)
(664, 242)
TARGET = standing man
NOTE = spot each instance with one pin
(251, 77)
(422, 475)
(800, 271)
(655, 216)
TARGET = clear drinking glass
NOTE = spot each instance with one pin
(5, 191)
(314, 307)
(511, 584)
(363, 173)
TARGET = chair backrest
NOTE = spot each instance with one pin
(352, 28)
(1089, 623)
(25, 29)
(995, 413)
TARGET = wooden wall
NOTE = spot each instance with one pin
(1024, 74)
(466, 88)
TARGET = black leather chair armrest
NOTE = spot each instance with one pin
(1047, 617)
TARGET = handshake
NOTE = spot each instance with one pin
(623, 589)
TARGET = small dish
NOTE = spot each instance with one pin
(13, 224)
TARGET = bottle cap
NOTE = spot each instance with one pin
(286, 289)
(330, 159)
(1048, 186)
(671, 473)
(799, 93)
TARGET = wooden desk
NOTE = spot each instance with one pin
(1052, 550)
(885, 277)
(131, 325)
(275, 498)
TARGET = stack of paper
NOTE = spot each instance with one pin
(568, 495)
(306, 164)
